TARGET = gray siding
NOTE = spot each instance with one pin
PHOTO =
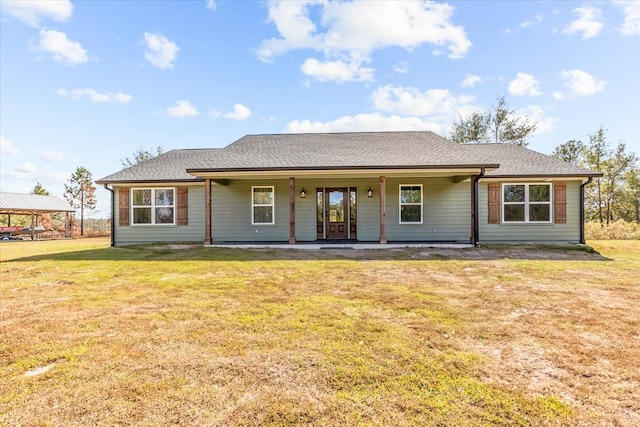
(561, 233)
(231, 213)
(194, 232)
(446, 215)
(446, 211)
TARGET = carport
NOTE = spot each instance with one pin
(34, 205)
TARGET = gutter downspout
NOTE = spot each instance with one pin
(476, 219)
(582, 186)
(113, 214)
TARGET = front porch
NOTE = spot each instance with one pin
(338, 208)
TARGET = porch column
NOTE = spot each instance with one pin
(383, 210)
(292, 211)
(67, 225)
(473, 210)
(207, 212)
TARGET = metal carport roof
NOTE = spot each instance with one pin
(28, 204)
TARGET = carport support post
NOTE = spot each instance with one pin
(383, 210)
(292, 211)
(32, 225)
(207, 212)
(67, 225)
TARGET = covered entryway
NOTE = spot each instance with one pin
(336, 213)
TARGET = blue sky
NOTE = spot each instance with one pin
(87, 83)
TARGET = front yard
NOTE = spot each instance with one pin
(186, 335)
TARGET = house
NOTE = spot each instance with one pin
(360, 187)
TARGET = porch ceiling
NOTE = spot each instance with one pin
(341, 173)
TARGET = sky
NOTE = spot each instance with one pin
(88, 83)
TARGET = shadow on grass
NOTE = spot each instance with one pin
(196, 252)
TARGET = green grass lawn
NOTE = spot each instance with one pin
(186, 335)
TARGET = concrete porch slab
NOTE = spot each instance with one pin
(321, 246)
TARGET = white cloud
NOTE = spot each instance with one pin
(337, 71)
(589, 22)
(538, 19)
(582, 83)
(524, 85)
(161, 52)
(343, 36)
(61, 48)
(52, 156)
(7, 147)
(545, 124)
(26, 167)
(410, 101)
(470, 80)
(183, 108)
(240, 113)
(558, 95)
(631, 24)
(401, 67)
(364, 123)
(526, 24)
(95, 96)
(211, 4)
(409, 108)
(32, 11)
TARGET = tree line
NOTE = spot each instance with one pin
(614, 196)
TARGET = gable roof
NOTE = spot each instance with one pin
(19, 203)
(320, 151)
(339, 151)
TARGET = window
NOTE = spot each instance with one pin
(411, 204)
(526, 203)
(153, 206)
(262, 204)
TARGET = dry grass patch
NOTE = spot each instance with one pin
(183, 335)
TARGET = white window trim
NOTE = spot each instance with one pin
(400, 204)
(273, 205)
(526, 203)
(153, 207)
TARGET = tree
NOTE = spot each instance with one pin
(595, 154)
(45, 219)
(603, 200)
(616, 168)
(39, 189)
(80, 193)
(630, 203)
(571, 152)
(141, 155)
(496, 125)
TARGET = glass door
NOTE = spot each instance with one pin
(336, 219)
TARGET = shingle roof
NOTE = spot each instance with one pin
(169, 166)
(337, 150)
(359, 150)
(518, 161)
(28, 203)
